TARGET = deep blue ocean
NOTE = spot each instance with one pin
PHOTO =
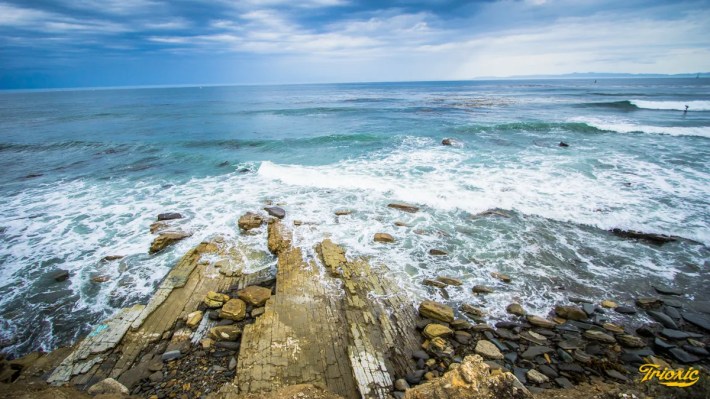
(85, 172)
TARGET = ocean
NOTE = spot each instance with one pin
(85, 173)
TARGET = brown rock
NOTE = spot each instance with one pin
(100, 279)
(571, 313)
(165, 239)
(250, 221)
(472, 379)
(609, 304)
(343, 212)
(403, 207)
(500, 276)
(234, 309)
(157, 226)
(630, 341)
(433, 283)
(482, 289)
(433, 330)
(488, 350)
(254, 295)
(450, 281)
(194, 319)
(383, 237)
(613, 328)
(225, 333)
(599, 336)
(540, 322)
(472, 310)
(436, 311)
(400, 223)
(516, 309)
(437, 252)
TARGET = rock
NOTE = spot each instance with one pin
(225, 333)
(207, 343)
(436, 311)
(437, 252)
(595, 335)
(674, 334)
(450, 281)
(609, 304)
(533, 337)
(254, 295)
(256, 312)
(194, 319)
(401, 385)
(167, 238)
(234, 309)
(666, 290)
(564, 356)
(403, 207)
(648, 302)
(250, 221)
(502, 277)
(383, 237)
(100, 279)
(563, 144)
(488, 350)
(515, 309)
(658, 239)
(110, 258)
(108, 386)
(535, 351)
(156, 377)
(536, 377)
(697, 320)
(471, 380)
(169, 216)
(460, 324)
(616, 375)
(472, 310)
(400, 223)
(60, 275)
(276, 211)
(696, 343)
(571, 313)
(540, 322)
(297, 222)
(564, 383)
(663, 319)
(613, 328)
(343, 212)
(548, 371)
(482, 289)
(171, 355)
(433, 283)
(463, 337)
(683, 356)
(420, 354)
(446, 141)
(625, 310)
(415, 377)
(215, 300)
(232, 363)
(436, 330)
(630, 341)
(696, 350)
(589, 309)
(663, 344)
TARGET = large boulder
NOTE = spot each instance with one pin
(225, 333)
(107, 386)
(254, 295)
(165, 239)
(276, 211)
(403, 207)
(473, 379)
(383, 237)
(169, 216)
(250, 221)
(436, 311)
(571, 313)
(234, 309)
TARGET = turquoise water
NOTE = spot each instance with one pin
(84, 173)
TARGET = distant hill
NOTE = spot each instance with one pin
(602, 75)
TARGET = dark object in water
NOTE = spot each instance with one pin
(446, 141)
(33, 175)
(61, 275)
(169, 216)
(659, 239)
(563, 144)
(223, 164)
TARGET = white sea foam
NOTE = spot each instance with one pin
(624, 126)
(672, 105)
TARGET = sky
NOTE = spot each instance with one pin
(79, 43)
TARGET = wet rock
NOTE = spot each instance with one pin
(450, 281)
(169, 216)
(437, 252)
(658, 239)
(250, 221)
(108, 386)
(502, 277)
(540, 322)
(630, 341)
(194, 319)
(171, 355)
(343, 212)
(488, 350)
(165, 239)
(383, 237)
(674, 334)
(563, 144)
(460, 324)
(234, 309)
(471, 380)
(419, 354)
(157, 226)
(436, 330)
(589, 309)
(616, 375)
(100, 279)
(403, 207)
(672, 312)
(613, 328)
(548, 371)
(415, 377)
(647, 330)
(276, 211)
(472, 310)
(225, 333)
(697, 320)
(663, 319)
(533, 337)
(695, 343)
(663, 344)
(537, 350)
(599, 336)
(609, 304)
(683, 356)
(666, 290)
(436, 311)
(571, 312)
(648, 302)
(482, 289)
(433, 283)
(515, 309)
(401, 385)
(536, 377)
(60, 275)
(564, 382)
(254, 295)
(695, 350)
(625, 310)
(110, 258)
(564, 356)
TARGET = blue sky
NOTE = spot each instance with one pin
(71, 43)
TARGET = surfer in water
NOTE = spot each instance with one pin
(686, 109)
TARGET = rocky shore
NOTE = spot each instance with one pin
(334, 326)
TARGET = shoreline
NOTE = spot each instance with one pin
(380, 341)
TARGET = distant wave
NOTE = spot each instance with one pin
(624, 105)
(333, 139)
(672, 105)
(627, 127)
